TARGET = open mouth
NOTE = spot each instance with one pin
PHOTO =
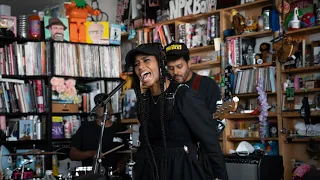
(145, 76)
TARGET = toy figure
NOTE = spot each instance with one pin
(285, 47)
(265, 51)
(77, 12)
(238, 22)
(252, 25)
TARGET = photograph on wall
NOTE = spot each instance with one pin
(97, 32)
(56, 29)
(26, 129)
(115, 34)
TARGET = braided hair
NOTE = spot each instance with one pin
(144, 112)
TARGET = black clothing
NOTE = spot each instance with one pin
(87, 139)
(208, 90)
(189, 123)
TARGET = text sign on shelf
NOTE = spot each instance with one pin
(178, 8)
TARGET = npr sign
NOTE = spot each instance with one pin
(178, 8)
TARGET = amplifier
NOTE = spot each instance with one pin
(254, 167)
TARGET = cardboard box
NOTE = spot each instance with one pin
(65, 108)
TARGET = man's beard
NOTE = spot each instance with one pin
(58, 37)
(183, 77)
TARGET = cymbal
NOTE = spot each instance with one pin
(127, 151)
(36, 152)
(129, 131)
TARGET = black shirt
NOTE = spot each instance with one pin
(208, 90)
(87, 139)
(191, 122)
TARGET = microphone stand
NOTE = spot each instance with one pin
(96, 165)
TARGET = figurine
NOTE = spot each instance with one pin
(238, 22)
(285, 47)
(265, 51)
(252, 25)
(77, 12)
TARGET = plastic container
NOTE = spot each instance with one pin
(34, 26)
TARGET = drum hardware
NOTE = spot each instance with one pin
(131, 163)
(102, 102)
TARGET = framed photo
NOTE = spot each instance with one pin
(129, 105)
(97, 32)
(56, 29)
(26, 129)
(316, 52)
(10, 22)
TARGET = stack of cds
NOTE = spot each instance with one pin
(23, 26)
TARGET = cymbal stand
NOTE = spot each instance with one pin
(131, 163)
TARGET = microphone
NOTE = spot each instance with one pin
(106, 98)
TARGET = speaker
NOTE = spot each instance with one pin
(254, 167)
(92, 176)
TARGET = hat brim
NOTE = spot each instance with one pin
(130, 57)
(64, 27)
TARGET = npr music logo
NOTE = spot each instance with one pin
(178, 8)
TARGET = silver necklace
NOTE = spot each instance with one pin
(155, 102)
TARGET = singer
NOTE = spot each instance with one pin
(85, 142)
(173, 120)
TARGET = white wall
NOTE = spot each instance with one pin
(109, 7)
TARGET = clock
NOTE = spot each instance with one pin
(273, 131)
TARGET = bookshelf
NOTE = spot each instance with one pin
(289, 147)
(47, 142)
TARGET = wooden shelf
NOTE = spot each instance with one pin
(248, 95)
(302, 139)
(255, 4)
(300, 91)
(248, 116)
(130, 121)
(302, 70)
(304, 31)
(296, 114)
(188, 18)
(206, 65)
(253, 66)
(201, 49)
(251, 139)
(258, 34)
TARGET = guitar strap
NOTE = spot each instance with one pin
(196, 82)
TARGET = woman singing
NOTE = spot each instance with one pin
(173, 120)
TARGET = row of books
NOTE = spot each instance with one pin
(24, 59)
(246, 81)
(33, 59)
(196, 34)
(86, 60)
(23, 97)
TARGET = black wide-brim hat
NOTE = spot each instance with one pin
(148, 49)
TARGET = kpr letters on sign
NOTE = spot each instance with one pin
(178, 8)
